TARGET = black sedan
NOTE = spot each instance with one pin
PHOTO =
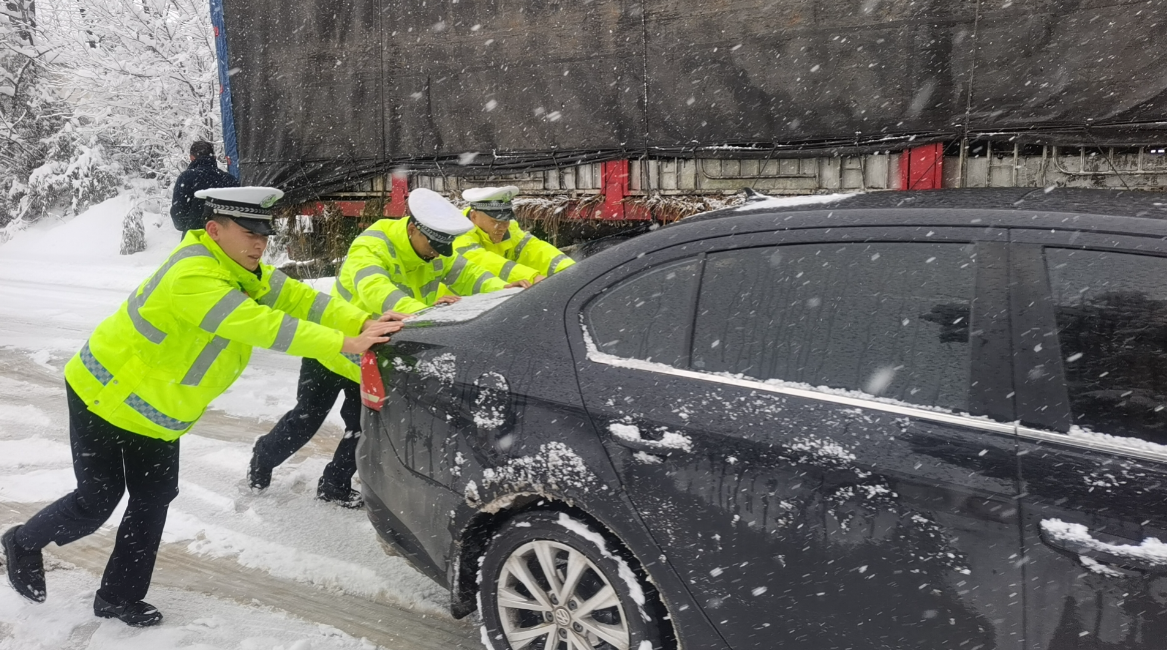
(877, 424)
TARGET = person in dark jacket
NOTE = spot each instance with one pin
(186, 211)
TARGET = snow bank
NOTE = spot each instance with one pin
(60, 277)
(83, 250)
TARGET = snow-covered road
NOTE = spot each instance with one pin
(237, 570)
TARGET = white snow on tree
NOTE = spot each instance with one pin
(125, 87)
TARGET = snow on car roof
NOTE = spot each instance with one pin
(463, 310)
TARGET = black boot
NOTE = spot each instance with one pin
(136, 614)
(258, 476)
(26, 569)
(343, 496)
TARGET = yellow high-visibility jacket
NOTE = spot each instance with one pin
(519, 256)
(383, 273)
(186, 333)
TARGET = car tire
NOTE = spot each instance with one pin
(608, 607)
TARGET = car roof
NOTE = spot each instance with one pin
(1127, 203)
(1114, 212)
(1118, 211)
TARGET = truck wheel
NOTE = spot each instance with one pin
(551, 582)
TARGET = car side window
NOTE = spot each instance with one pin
(886, 319)
(646, 316)
(1111, 311)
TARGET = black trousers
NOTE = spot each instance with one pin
(107, 461)
(315, 396)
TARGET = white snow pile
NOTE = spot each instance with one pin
(442, 367)
(553, 466)
(490, 409)
(669, 440)
(60, 277)
(823, 450)
(83, 250)
(1096, 567)
(1151, 550)
(788, 201)
(487, 416)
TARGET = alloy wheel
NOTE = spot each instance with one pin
(552, 597)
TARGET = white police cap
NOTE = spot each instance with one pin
(437, 219)
(250, 207)
(494, 201)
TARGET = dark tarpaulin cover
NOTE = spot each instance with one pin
(327, 92)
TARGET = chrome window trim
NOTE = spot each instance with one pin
(1105, 446)
(897, 409)
(909, 411)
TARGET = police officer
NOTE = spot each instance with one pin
(396, 267)
(499, 245)
(186, 210)
(147, 374)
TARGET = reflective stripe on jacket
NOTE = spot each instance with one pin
(519, 256)
(383, 273)
(186, 333)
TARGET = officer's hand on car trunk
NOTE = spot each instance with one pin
(525, 284)
(387, 317)
(447, 300)
(374, 332)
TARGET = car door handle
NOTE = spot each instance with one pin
(1125, 559)
(670, 443)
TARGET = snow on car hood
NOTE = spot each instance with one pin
(463, 310)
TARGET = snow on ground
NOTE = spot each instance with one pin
(57, 281)
(194, 621)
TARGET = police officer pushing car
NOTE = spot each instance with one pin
(498, 244)
(149, 371)
(396, 267)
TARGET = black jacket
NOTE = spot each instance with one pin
(185, 210)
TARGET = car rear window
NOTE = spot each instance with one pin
(886, 319)
(646, 317)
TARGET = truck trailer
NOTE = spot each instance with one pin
(626, 111)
